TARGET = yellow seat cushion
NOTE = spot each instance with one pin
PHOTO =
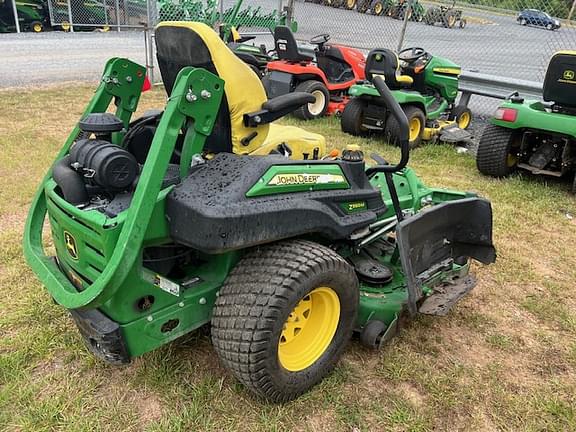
(302, 143)
(244, 94)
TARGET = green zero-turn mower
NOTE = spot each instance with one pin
(533, 135)
(284, 258)
(426, 88)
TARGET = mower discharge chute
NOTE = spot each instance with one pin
(532, 135)
(157, 233)
(426, 88)
(327, 72)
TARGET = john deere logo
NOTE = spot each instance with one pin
(71, 245)
(568, 75)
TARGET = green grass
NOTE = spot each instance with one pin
(504, 358)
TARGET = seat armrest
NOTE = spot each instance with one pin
(277, 107)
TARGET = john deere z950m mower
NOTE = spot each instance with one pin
(164, 228)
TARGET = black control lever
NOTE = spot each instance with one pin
(398, 114)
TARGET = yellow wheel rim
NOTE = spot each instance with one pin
(378, 8)
(65, 26)
(37, 28)
(309, 329)
(351, 4)
(451, 21)
(415, 126)
(464, 120)
(511, 160)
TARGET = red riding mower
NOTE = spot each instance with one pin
(327, 72)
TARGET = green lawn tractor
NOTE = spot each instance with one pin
(426, 88)
(32, 16)
(534, 135)
(414, 9)
(157, 234)
(448, 16)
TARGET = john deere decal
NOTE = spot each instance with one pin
(305, 179)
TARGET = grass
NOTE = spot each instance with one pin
(504, 358)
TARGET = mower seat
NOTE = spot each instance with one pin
(384, 62)
(287, 48)
(243, 122)
(560, 81)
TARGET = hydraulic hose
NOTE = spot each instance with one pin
(70, 182)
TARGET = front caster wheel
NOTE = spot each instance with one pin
(284, 316)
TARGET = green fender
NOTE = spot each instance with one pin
(532, 115)
(403, 97)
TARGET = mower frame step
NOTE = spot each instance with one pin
(446, 296)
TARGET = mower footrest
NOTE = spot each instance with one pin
(447, 295)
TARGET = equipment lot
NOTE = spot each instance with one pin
(491, 43)
(504, 359)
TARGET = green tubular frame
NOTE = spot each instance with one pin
(122, 81)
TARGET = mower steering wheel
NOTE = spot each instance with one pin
(321, 39)
(415, 54)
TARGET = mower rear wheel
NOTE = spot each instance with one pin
(284, 316)
(350, 4)
(352, 117)
(37, 27)
(416, 122)
(462, 116)
(316, 109)
(495, 157)
(378, 8)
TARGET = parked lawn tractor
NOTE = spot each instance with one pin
(414, 9)
(448, 16)
(532, 135)
(376, 7)
(327, 72)
(32, 16)
(426, 88)
(158, 235)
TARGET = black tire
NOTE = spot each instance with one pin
(574, 185)
(312, 87)
(494, 149)
(550, 27)
(36, 26)
(255, 303)
(460, 114)
(463, 23)
(352, 116)
(378, 8)
(523, 22)
(392, 128)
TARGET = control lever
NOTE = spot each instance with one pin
(383, 167)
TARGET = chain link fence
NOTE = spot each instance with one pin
(511, 38)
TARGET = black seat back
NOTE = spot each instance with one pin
(560, 81)
(286, 46)
(382, 61)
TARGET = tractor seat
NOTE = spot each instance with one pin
(243, 122)
(560, 82)
(287, 48)
(384, 62)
